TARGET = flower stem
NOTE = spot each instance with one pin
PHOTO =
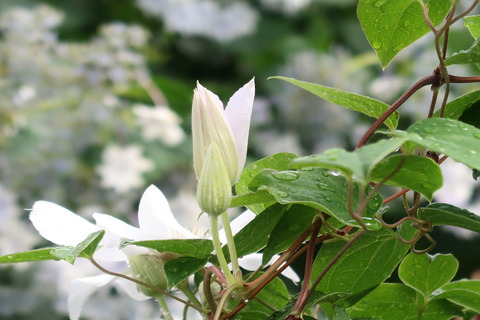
(164, 307)
(218, 249)
(231, 246)
(185, 288)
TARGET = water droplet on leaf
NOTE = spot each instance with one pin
(282, 194)
(431, 129)
(286, 175)
(376, 44)
(477, 135)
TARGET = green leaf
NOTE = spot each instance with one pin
(427, 173)
(181, 268)
(473, 25)
(260, 200)
(85, 249)
(254, 236)
(366, 105)
(275, 295)
(358, 163)
(279, 161)
(471, 55)
(465, 293)
(290, 226)
(365, 265)
(197, 248)
(426, 273)
(471, 115)
(28, 256)
(458, 140)
(393, 301)
(455, 108)
(391, 26)
(447, 214)
(319, 189)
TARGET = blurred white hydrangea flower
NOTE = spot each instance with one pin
(14, 233)
(458, 190)
(122, 167)
(287, 6)
(204, 17)
(159, 122)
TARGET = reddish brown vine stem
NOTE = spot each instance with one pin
(433, 79)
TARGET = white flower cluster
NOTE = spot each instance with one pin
(208, 18)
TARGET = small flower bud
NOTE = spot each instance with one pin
(148, 268)
(214, 193)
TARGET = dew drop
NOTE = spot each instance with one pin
(431, 129)
(327, 198)
(427, 185)
(286, 175)
(325, 174)
(324, 186)
(477, 135)
(371, 223)
(376, 44)
(282, 194)
(406, 23)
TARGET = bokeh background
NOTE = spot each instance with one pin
(95, 99)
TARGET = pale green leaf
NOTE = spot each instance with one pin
(458, 140)
(260, 201)
(455, 108)
(28, 256)
(473, 25)
(427, 173)
(469, 56)
(392, 25)
(366, 105)
(447, 214)
(465, 293)
(426, 273)
(357, 164)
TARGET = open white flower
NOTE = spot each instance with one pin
(156, 222)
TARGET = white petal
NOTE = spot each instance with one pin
(237, 224)
(131, 289)
(253, 261)
(59, 225)
(81, 289)
(209, 96)
(155, 216)
(238, 113)
(288, 272)
(117, 227)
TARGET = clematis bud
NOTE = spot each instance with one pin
(227, 128)
(148, 268)
(214, 192)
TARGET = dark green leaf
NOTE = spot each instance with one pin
(472, 115)
(28, 256)
(365, 265)
(279, 161)
(465, 293)
(290, 226)
(426, 273)
(390, 301)
(275, 294)
(391, 26)
(366, 105)
(319, 189)
(181, 268)
(393, 301)
(455, 139)
(447, 214)
(254, 236)
(427, 173)
(197, 248)
(475, 174)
